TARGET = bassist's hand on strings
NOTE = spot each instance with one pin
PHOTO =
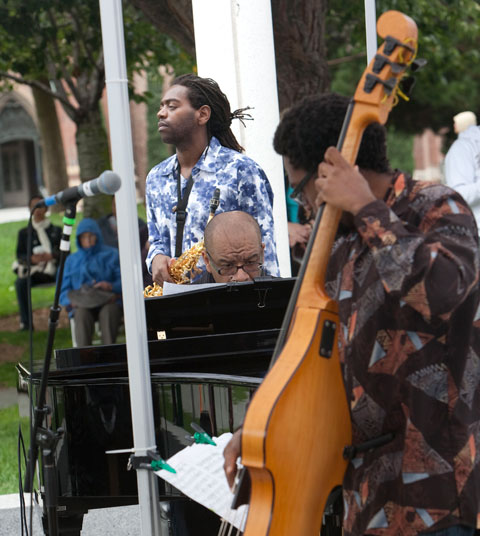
(341, 184)
(230, 455)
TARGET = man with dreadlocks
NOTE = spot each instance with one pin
(195, 117)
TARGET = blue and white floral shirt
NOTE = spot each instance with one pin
(243, 186)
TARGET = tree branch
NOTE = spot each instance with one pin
(40, 86)
(346, 59)
(75, 17)
(99, 81)
(180, 29)
(66, 75)
(185, 21)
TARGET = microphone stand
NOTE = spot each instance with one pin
(39, 436)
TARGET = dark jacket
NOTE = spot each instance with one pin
(54, 233)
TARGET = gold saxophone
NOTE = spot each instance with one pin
(185, 267)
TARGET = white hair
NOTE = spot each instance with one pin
(463, 120)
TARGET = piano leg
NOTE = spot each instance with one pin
(68, 525)
(333, 515)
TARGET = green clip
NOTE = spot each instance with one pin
(68, 221)
(162, 464)
(203, 438)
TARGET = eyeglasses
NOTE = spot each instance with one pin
(232, 269)
(297, 194)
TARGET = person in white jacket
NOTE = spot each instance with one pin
(462, 162)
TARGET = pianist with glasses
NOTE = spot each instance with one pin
(233, 249)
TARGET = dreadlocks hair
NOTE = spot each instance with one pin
(308, 128)
(205, 91)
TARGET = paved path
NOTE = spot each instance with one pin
(14, 214)
(122, 521)
(8, 397)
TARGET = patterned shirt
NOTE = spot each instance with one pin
(243, 186)
(406, 280)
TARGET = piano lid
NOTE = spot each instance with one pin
(223, 308)
(246, 353)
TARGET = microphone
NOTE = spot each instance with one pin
(108, 183)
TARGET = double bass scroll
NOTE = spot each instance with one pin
(298, 422)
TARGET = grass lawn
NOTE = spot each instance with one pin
(41, 297)
(9, 424)
(19, 347)
(15, 347)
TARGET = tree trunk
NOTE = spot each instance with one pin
(138, 119)
(173, 18)
(300, 50)
(299, 35)
(53, 156)
(93, 159)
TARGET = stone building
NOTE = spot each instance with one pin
(428, 156)
(21, 169)
(20, 149)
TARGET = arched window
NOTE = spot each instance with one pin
(20, 167)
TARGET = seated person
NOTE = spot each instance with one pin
(93, 266)
(233, 248)
(108, 228)
(45, 253)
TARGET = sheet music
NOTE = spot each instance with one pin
(173, 288)
(199, 475)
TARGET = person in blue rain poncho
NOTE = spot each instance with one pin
(91, 287)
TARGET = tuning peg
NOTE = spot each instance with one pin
(371, 80)
(392, 42)
(417, 64)
(381, 61)
(407, 84)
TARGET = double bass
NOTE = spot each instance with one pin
(298, 421)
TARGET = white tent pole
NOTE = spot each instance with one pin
(370, 29)
(130, 260)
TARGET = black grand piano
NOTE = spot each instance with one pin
(214, 348)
